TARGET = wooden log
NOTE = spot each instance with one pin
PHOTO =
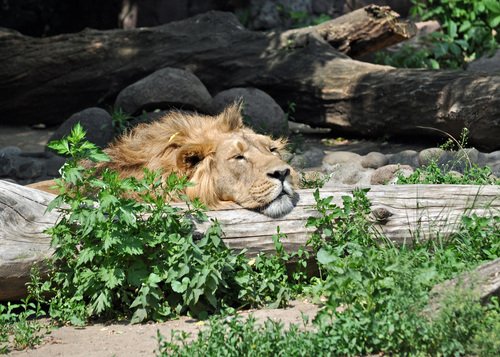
(67, 73)
(408, 212)
(482, 282)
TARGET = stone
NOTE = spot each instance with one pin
(97, 123)
(147, 117)
(166, 88)
(374, 160)
(10, 151)
(405, 157)
(260, 111)
(485, 64)
(339, 157)
(388, 174)
(309, 158)
(348, 173)
(28, 168)
(426, 156)
(53, 164)
(6, 165)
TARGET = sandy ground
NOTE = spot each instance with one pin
(140, 340)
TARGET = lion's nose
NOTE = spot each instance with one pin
(279, 174)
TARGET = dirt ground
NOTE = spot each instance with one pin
(108, 340)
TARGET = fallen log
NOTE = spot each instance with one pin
(483, 283)
(401, 213)
(67, 73)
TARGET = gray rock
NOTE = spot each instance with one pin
(164, 89)
(485, 64)
(7, 165)
(388, 174)
(309, 158)
(96, 122)
(339, 157)
(260, 111)
(348, 173)
(426, 156)
(53, 164)
(28, 168)
(405, 157)
(374, 160)
(10, 151)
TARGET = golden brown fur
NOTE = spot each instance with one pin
(226, 161)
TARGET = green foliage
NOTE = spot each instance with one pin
(374, 294)
(433, 173)
(121, 250)
(19, 328)
(469, 31)
(313, 179)
(120, 120)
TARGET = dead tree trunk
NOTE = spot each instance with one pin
(401, 213)
(48, 79)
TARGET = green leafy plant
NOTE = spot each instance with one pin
(469, 31)
(433, 173)
(19, 327)
(123, 251)
(120, 120)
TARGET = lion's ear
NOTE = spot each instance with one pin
(231, 118)
(191, 155)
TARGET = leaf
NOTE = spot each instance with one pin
(139, 315)
(324, 257)
(180, 287)
(102, 302)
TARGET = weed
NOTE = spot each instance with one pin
(120, 120)
(19, 327)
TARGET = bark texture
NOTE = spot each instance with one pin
(46, 80)
(401, 213)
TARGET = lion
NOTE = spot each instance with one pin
(226, 161)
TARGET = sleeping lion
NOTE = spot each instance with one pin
(226, 161)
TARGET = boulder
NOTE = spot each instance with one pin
(97, 123)
(388, 174)
(164, 89)
(374, 160)
(260, 111)
(486, 64)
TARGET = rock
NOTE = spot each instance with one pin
(339, 157)
(10, 151)
(426, 156)
(6, 165)
(165, 89)
(96, 122)
(374, 160)
(405, 157)
(53, 164)
(148, 117)
(485, 64)
(388, 174)
(348, 173)
(260, 111)
(28, 168)
(309, 158)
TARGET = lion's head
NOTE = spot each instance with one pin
(226, 161)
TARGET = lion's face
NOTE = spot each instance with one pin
(249, 171)
(226, 161)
